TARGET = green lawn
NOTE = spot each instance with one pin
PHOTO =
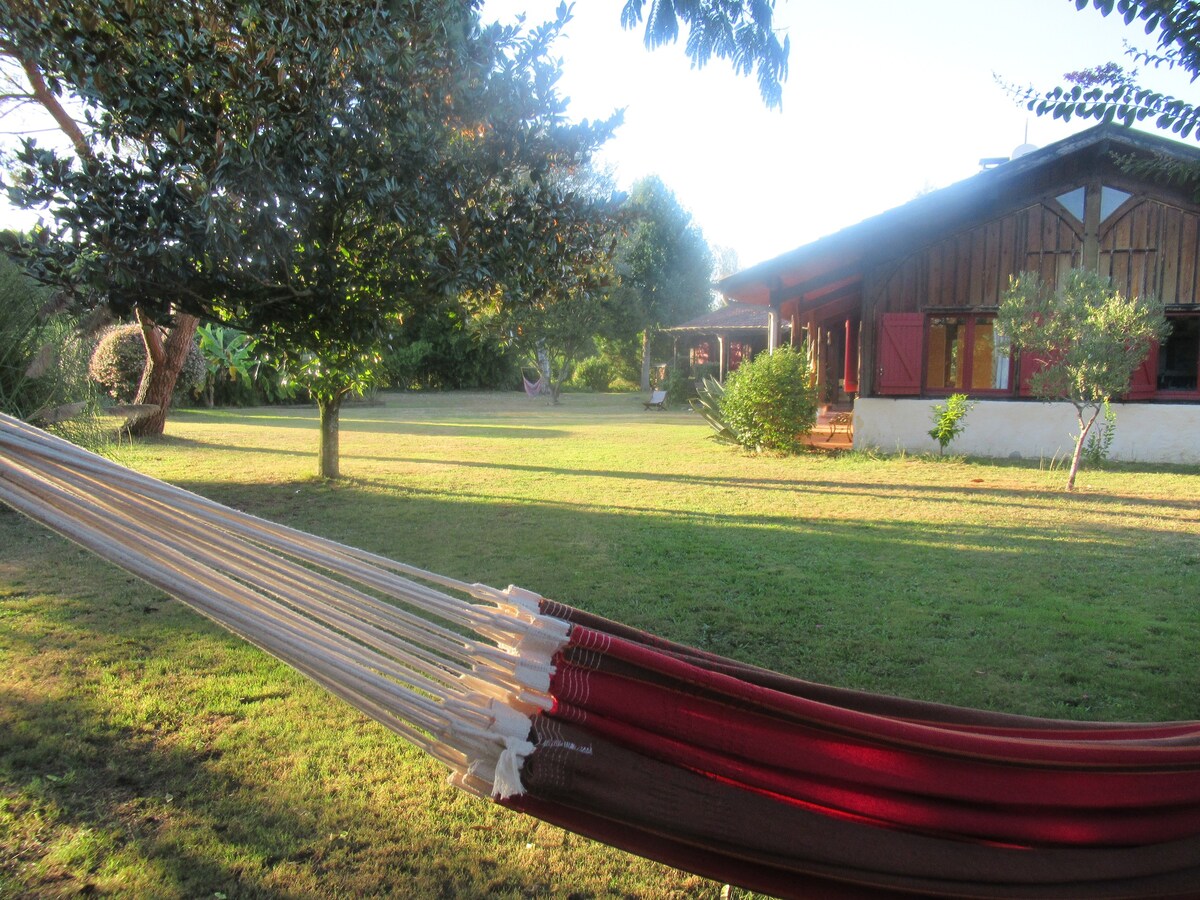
(146, 753)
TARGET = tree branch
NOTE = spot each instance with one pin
(46, 97)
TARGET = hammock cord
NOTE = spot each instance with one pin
(444, 673)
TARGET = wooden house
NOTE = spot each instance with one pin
(899, 310)
(723, 338)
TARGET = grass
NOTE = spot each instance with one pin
(147, 753)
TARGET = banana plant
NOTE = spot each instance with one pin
(228, 356)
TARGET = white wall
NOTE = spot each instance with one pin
(1145, 432)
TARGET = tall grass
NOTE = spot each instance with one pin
(144, 752)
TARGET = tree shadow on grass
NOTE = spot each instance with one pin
(897, 605)
(442, 427)
(970, 494)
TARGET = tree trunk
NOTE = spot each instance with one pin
(330, 408)
(646, 360)
(164, 362)
(1084, 428)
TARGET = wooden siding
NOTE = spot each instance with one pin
(1150, 248)
(971, 269)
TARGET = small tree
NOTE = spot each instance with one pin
(770, 402)
(948, 420)
(1090, 337)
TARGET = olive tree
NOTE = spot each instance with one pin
(1088, 337)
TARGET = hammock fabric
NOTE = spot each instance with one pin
(534, 388)
(727, 770)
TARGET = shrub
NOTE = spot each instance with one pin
(119, 360)
(43, 360)
(679, 387)
(948, 420)
(770, 402)
(24, 347)
(1099, 442)
(593, 374)
(193, 375)
(405, 364)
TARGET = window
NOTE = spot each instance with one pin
(1179, 356)
(964, 353)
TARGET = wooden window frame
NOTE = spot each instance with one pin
(1158, 393)
(971, 319)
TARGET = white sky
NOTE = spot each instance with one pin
(885, 100)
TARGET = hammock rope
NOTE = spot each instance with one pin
(725, 769)
(305, 600)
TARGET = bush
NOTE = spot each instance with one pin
(1099, 442)
(948, 420)
(24, 348)
(43, 360)
(119, 360)
(593, 374)
(442, 349)
(770, 403)
(679, 387)
(406, 364)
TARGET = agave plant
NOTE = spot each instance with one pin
(707, 402)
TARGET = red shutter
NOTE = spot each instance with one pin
(1145, 377)
(1029, 364)
(901, 342)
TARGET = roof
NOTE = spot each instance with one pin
(834, 255)
(733, 317)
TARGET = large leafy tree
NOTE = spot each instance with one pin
(1113, 92)
(306, 171)
(664, 265)
(1089, 338)
(555, 305)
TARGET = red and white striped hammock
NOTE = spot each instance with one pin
(710, 765)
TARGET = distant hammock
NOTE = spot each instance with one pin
(724, 769)
(534, 388)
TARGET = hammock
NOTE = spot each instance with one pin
(707, 764)
(534, 388)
